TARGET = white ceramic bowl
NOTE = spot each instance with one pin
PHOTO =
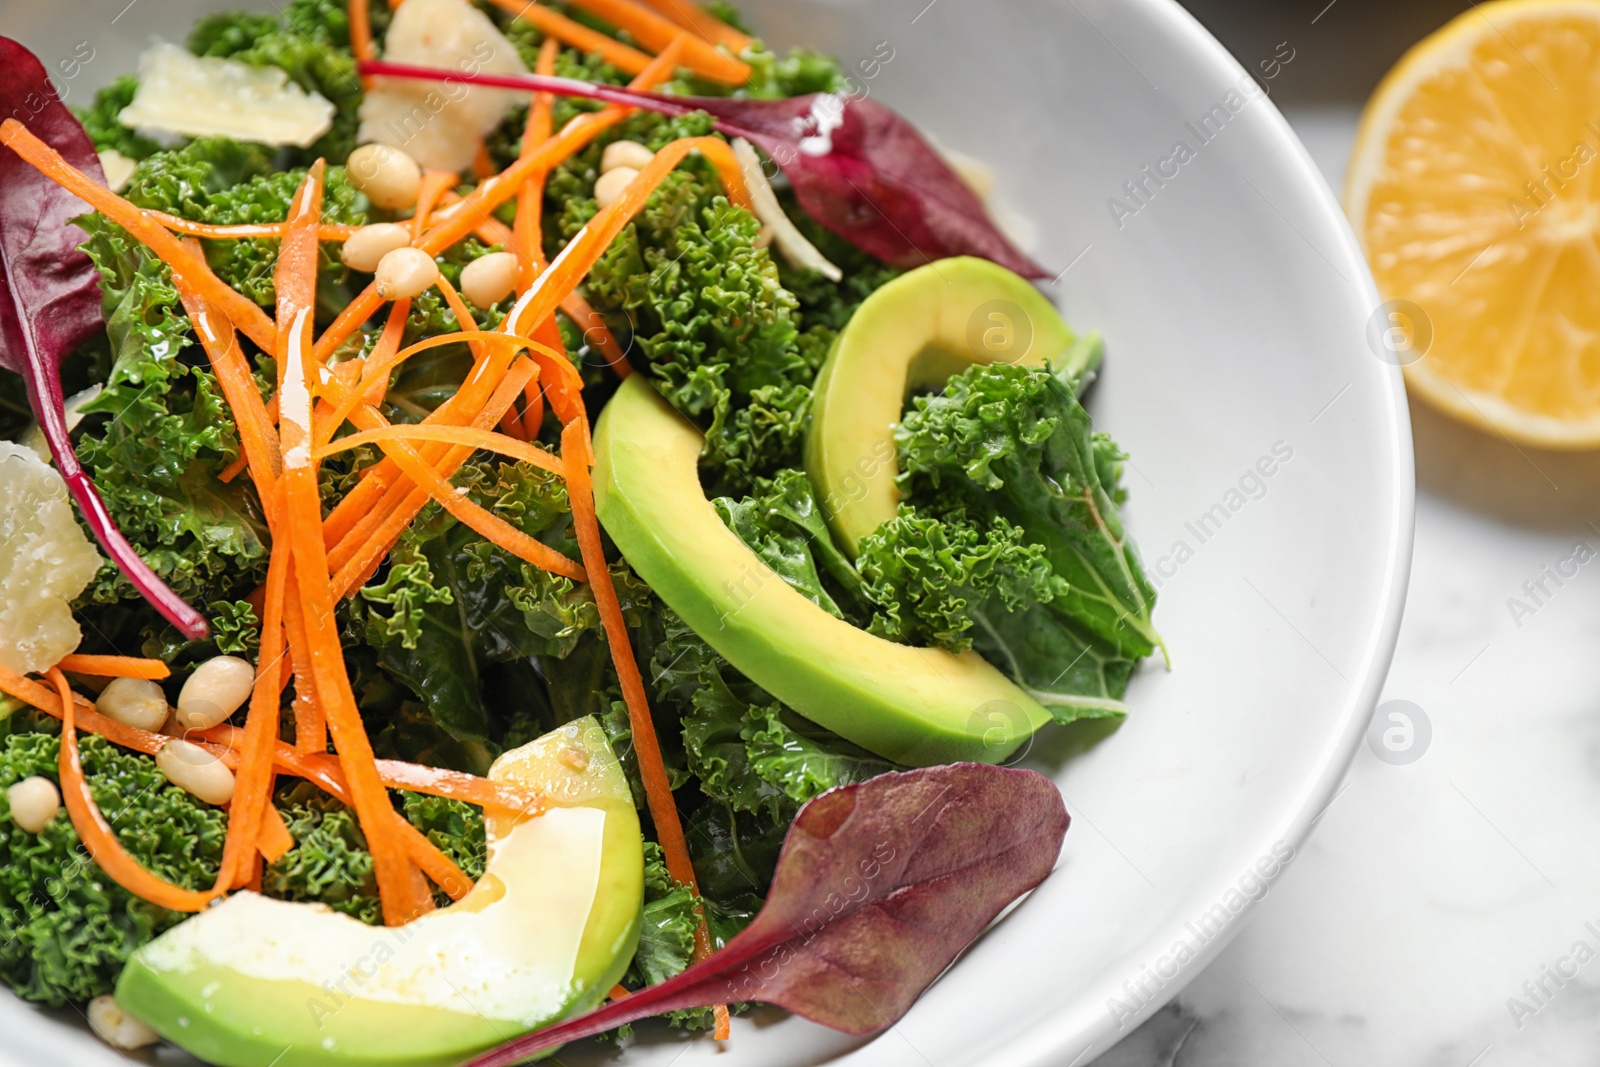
(1235, 307)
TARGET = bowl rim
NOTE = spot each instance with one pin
(1047, 1043)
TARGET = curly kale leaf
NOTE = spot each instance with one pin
(781, 523)
(720, 331)
(666, 940)
(1015, 441)
(931, 574)
(311, 44)
(451, 605)
(747, 750)
(165, 434)
(330, 864)
(100, 120)
(65, 928)
(226, 183)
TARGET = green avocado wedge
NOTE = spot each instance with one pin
(915, 706)
(913, 333)
(545, 933)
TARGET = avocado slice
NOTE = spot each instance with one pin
(546, 932)
(911, 334)
(915, 706)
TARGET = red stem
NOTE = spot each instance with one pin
(539, 83)
(44, 395)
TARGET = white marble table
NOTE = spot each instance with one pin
(1446, 912)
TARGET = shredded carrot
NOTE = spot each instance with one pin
(576, 259)
(258, 437)
(577, 453)
(483, 163)
(724, 1023)
(274, 839)
(618, 993)
(192, 268)
(360, 19)
(212, 232)
(115, 666)
(496, 191)
(435, 183)
(490, 230)
(401, 889)
(97, 835)
(656, 33)
(485, 522)
(310, 722)
(596, 333)
(527, 236)
(252, 794)
(560, 28)
(692, 16)
(454, 435)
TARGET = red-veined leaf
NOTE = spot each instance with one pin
(879, 887)
(50, 300)
(856, 166)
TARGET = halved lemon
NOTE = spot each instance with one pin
(1475, 190)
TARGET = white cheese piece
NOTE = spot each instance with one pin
(440, 124)
(45, 561)
(800, 252)
(118, 169)
(199, 96)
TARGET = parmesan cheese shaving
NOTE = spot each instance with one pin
(203, 96)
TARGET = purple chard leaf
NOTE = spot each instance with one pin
(879, 887)
(856, 166)
(50, 300)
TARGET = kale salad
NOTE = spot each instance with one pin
(470, 474)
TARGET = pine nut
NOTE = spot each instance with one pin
(116, 1027)
(625, 154)
(405, 273)
(133, 702)
(364, 249)
(217, 688)
(194, 770)
(489, 279)
(388, 176)
(34, 802)
(611, 184)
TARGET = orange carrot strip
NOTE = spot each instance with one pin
(527, 229)
(618, 993)
(360, 19)
(490, 230)
(258, 438)
(560, 28)
(656, 33)
(274, 839)
(382, 486)
(455, 435)
(575, 260)
(252, 794)
(365, 557)
(97, 835)
(692, 16)
(244, 313)
(400, 887)
(577, 453)
(596, 333)
(434, 185)
(480, 519)
(116, 666)
(211, 232)
(724, 1023)
(496, 191)
(483, 163)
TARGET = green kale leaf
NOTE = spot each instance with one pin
(1015, 441)
(100, 120)
(65, 928)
